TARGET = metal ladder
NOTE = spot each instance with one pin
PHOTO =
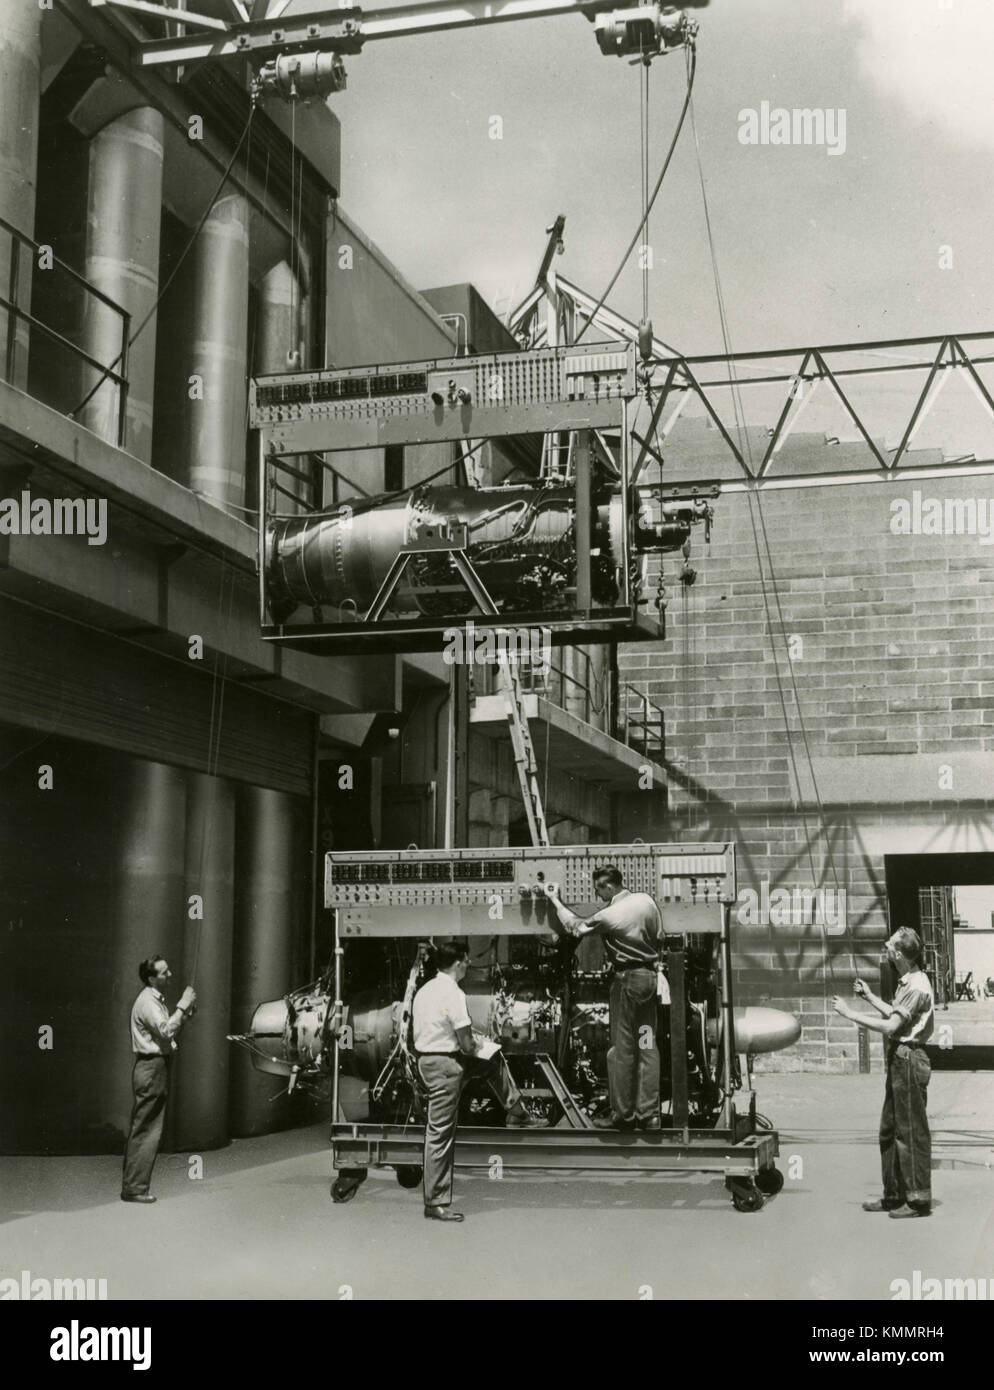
(524, 751)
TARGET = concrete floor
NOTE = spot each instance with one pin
(260, 1223)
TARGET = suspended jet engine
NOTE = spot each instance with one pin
(521, 542)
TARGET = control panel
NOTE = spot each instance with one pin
(422, 402)
(503, 891)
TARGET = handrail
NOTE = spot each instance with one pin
(653, 728)
(62, 265)
(15, 313)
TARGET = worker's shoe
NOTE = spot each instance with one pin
(882, 1204)
(912, 1210)
(609, 1122)
(653, 1122)
(145, 1197)
(523, 1119)
(442, 1214)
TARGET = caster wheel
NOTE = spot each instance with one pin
(745, 1195)
(347, 1184)
(769, 1181)
(409, 1176)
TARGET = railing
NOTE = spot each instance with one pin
(581, 692)
(16, 243)
(645, 731)
(630, 717)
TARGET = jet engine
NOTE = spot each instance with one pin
(537, 1004)
(521, 541)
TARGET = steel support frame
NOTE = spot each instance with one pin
(813, 368)
(678, 1150)
(341, 31)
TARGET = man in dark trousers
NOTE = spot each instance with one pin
(447, 1054)
(906, 1024)
(153, 1041)
(631, 929)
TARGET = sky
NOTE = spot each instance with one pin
(975, 903)
(810, 247)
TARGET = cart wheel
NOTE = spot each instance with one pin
(745, 1194)
(409, 1176)
(769, 1180)
(347, 1184)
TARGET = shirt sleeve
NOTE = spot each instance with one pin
(910, 1003)
(157, 1019)
(457, 1011)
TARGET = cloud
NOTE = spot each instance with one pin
(934, 57)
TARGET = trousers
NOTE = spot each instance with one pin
(905, 1141)
(633, 1055)
(445, 1076)
(150, 1084)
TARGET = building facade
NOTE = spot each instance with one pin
(169, 780)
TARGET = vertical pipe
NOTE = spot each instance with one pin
(263, 509)
(680, 1101)
(123, 219)
(263, 943)
(339, 1020)
(148, 907)
(201, 1108)
(20, 65)
(728, 1015)
(215, 444)
(317, 858)
(583, 536)
(278, 341)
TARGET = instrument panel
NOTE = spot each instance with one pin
(503, 891)
(422, 402)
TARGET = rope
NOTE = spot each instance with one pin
(173, 273)
(691, 70)
(756, 509)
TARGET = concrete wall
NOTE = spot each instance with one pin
(372, 314)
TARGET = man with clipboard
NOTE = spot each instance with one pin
(448, 1053)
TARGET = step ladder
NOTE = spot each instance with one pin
(524, 751)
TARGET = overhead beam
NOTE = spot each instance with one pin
(343, 30)
(890, 476)
(166, 12)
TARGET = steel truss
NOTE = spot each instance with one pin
(674, 380)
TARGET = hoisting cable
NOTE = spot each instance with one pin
(174, 272)
(691, 69)
(756, 509)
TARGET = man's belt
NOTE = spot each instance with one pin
(634, 965)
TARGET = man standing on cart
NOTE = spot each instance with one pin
(632, 931)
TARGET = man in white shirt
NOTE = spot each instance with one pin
(630, 926)
(153, 1041)
(446, 1048)
(906, 1025)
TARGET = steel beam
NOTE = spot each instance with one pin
(343, 31)
(667, 1150)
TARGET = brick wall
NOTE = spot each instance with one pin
(893, 661)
